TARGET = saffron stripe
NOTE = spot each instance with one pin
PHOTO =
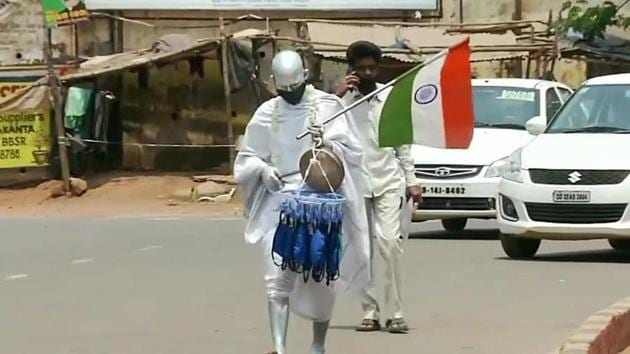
(457, 96)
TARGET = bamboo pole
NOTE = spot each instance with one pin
(226, 87)
(539, 58)
(57, 108)
(416, 24)
(330, 44)
(423, 50)
(528, 69)
(434, 50)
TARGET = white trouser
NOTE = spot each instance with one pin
(384, 213)
(279, 284)
(311, 300)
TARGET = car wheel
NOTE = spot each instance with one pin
(519, 247)
(620, 245)
(454, 224)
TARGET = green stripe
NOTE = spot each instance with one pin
(395, 127)
(12, 79)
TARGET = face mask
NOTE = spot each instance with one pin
(293, 97)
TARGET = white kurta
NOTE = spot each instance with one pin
(387, 169)
(270, 140)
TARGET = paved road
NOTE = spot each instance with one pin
(165, 286)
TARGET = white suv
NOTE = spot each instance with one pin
(571, 182)
(461, 184)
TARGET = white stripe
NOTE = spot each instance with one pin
(82, 261)
(16, 277)
(167, 218)
(236, 218)
(149, 248)
(218, 217)
(428, 119)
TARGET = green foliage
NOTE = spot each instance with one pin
(591, 21)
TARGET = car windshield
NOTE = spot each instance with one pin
(595, 109)
(505, 107)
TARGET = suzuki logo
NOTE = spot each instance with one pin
(443, 172)
(575, 177)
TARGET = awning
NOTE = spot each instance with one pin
(167, 49)
(331, 40)
(615, 46)
(32, 97)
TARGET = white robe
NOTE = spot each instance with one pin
(265, 144)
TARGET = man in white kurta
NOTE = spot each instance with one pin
(266, 164)
(389, 182)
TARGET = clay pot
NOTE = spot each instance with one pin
(329, 166)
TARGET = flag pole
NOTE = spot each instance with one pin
(383, 88)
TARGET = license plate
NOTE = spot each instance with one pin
(443, 190)
(571, 197)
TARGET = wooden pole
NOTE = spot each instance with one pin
(75, 37)
(53, 81)
(417, 24)
(539, 58)
(529, 66)
(255, 47)
(544, 68)
(226, 87)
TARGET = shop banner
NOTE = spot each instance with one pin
(24, 139)
(9, 88)
(64, 12)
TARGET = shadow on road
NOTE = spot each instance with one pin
(479, 234)
(342, 328)
(353, 328)
(598, 256)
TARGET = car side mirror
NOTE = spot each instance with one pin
(536, 125)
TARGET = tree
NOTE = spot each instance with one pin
(592, 21)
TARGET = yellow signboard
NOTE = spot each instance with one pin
(8, 88)
(25, 139)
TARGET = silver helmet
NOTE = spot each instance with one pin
(288, 71)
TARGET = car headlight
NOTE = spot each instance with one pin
(514, 169)
(496, 168)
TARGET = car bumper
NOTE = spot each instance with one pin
(522, 194)
(477, 201)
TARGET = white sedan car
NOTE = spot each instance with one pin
(571, 182)
(461, 184)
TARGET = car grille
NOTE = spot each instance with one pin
(576, 213)
(447, 172)
(578, 177)
(457, 204)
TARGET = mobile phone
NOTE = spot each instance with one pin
(351, 71)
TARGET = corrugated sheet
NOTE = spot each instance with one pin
(168, 48)
(101, 65)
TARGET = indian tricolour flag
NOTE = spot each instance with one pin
(431, 105)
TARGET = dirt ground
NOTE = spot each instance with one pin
(114, 194)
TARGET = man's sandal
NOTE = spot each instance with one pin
(397, 326)
(368, 325)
